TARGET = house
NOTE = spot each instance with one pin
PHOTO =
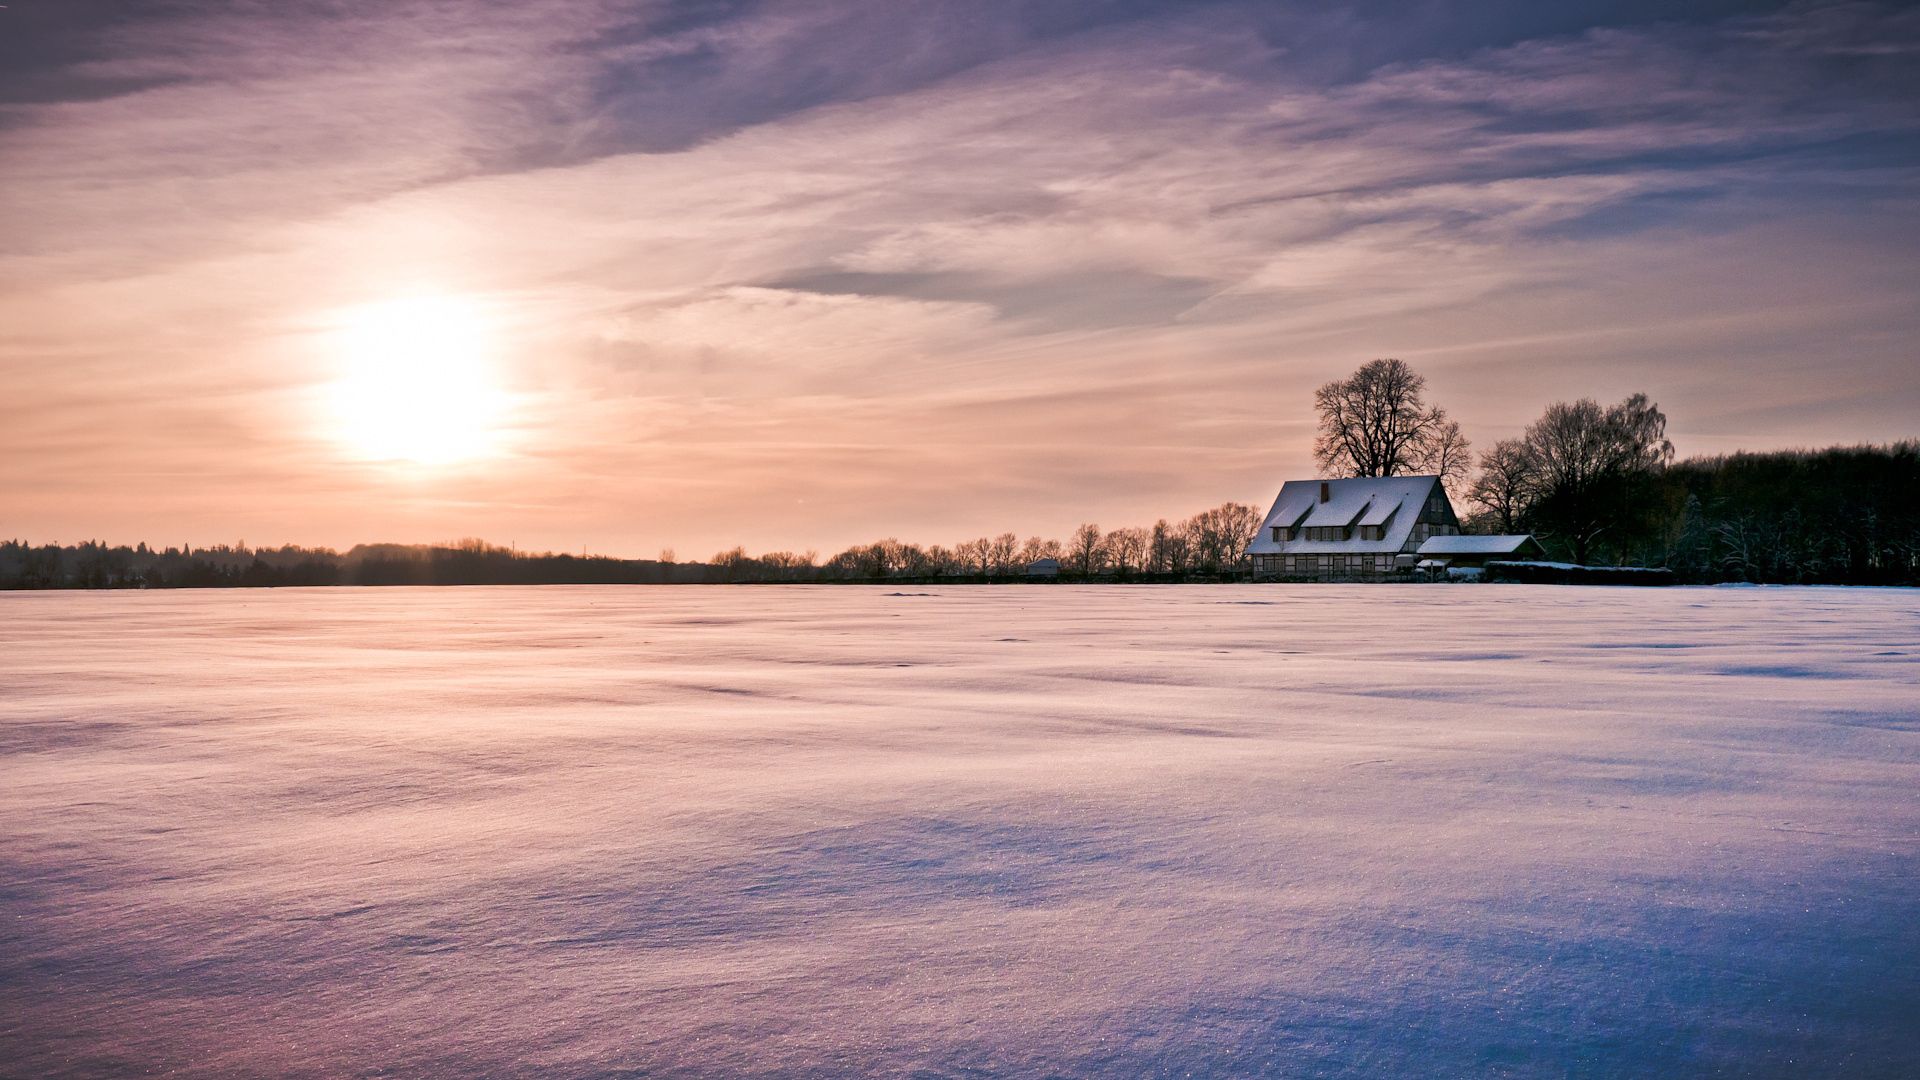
(1361, 527)
(1044, 568)
(1443, 554)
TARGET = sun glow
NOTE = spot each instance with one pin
(420, 381)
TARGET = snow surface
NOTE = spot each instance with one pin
(1101, 831)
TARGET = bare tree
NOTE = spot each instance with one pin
(844, 565)
(1219, 537)
(912, 560)
(976, 556)
(1084, 549)
(1240, 523)
(1450, 455)
(781, 565)
(1376, 422)
(942, 561)
(881, 558)
(1505, 483)
(1591, 464)
(1002, 553)
(1160, 547)
(1179, 547)
(734, 564)
(1203, 541)
(1037, 548)
(1126, 549)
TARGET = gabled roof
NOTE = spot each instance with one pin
(1292, 517)
(1362, 500)
(1476, 545)
(1378, 511)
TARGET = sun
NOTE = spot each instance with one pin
(419, 380)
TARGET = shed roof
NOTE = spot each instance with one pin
(1475, 545)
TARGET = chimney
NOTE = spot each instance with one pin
(1326, 491)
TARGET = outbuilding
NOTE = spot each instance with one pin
(1441, 555)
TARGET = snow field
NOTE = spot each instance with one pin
(1046, 830)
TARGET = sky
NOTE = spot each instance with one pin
(575, 274)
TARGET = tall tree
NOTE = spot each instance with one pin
(1376, 422)
(1084, 549)
(942, 561)
(1219, 537)
(1003, 552)
(1593, 468)
(1177, 547)
(1160, 547)
(977, 555)
(1241, 524)
(1450, 455)
(1126, 549)
(1504, 484)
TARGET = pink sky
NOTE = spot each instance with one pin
(815, 274)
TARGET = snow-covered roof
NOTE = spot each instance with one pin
(1354, 501)
(1474, 545)
(1378, 511)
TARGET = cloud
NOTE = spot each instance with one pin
(750, 342)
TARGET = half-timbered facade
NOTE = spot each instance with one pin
(1360, 527)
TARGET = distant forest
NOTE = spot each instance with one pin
(1841, 516)
(1846, 515)
(96, 565)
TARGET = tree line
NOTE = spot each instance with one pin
(1598, 484)
(96, 565)
(1208, 545)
